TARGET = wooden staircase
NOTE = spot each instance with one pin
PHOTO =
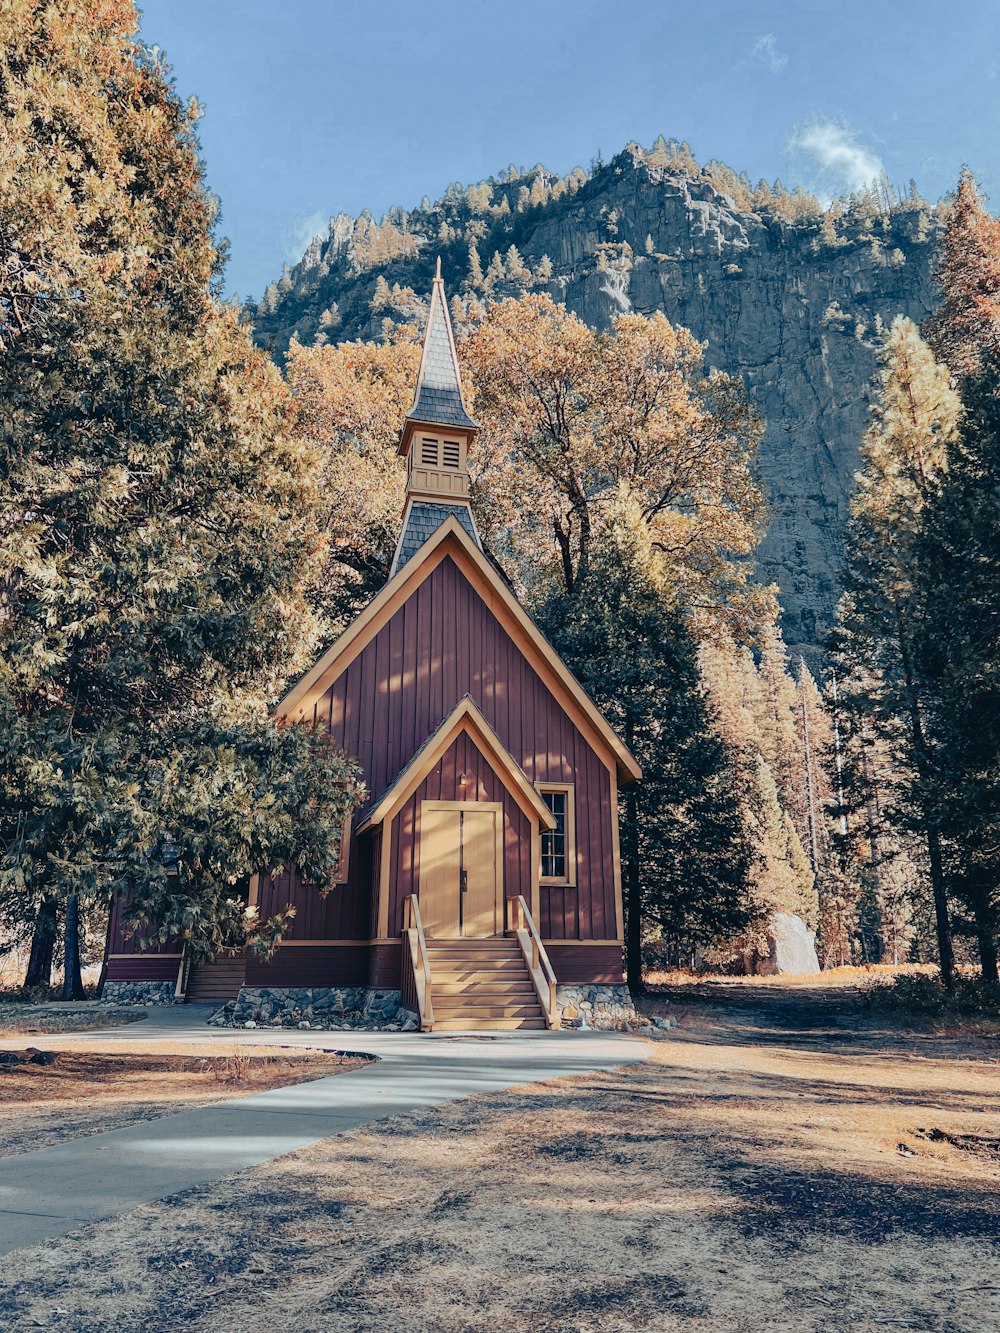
(217, 981)
(482, 985)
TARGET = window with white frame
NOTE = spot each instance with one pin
(559, 844)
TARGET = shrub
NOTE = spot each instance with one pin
(925, 997)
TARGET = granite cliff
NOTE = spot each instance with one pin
(785, 294)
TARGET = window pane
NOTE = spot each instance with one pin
(554, 840)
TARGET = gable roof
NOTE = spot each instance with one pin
(438, 399)
(464, 717)
(451, 540)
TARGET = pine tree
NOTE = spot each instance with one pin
(159, 524)
(915, 420)
(966, 326)
(495, 272)
(382, 295)
(814, 729)
(776, 728)
(474, 280)
(685, 857)
(958, 644)
(780, 879)
(517, 270)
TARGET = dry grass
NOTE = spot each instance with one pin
(758, 1173)
(87, 1092)
(833, 978)
(23, 1019)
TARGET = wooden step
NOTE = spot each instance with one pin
(514, 987)
(485, 1010)
(481, 985)
(456, 968)
(489, 1024)
(464, 949)
(215, 982)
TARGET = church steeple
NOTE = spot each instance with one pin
(436, 437)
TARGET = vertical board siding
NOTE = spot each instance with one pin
(120, 942)
(445, 642)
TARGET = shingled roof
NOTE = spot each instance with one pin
(423, 520)
(438, 399)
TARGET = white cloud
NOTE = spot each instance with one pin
(300, 232)
(843, 164)
(765, 50)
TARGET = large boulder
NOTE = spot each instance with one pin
(791, 947)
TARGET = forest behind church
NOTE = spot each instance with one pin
(183, 526)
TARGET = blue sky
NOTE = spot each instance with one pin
(314, 107)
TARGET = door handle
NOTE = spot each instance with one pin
(463, 881)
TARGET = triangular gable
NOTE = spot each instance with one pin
(451, 540)
(465, 718)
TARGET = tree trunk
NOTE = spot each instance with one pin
(72, 980)
(810, 789)
(633, 897)
(102, 979)
(986, 934)
(43, 942)
(946, 951)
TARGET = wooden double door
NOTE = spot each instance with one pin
(461, 868)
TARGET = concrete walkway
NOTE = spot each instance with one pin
(57, 1189)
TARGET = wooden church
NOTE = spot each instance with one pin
(483, 872)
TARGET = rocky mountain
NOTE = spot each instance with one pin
(786, 294)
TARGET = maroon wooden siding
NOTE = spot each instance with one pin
(577, 963)
(144, 967)
(345, 913)
(445, 642)
(441, 784)
(314, 965)
(120, 942)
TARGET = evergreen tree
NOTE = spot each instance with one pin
(685, 857)
(474, 280)
(495, 272)
(966, 325)
(158, 518)
(958, 643)
(778, 738)
(915, 419)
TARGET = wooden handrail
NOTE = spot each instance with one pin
(419, 962)
(542, 977)
(183, 973)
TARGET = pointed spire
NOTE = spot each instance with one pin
(439, 399)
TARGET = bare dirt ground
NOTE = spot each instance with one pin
(84, 1093)
(778, 1164)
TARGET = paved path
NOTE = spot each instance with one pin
(55, 1190)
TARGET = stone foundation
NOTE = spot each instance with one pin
(138, 992)
(327, 1008)
(605, 1008)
